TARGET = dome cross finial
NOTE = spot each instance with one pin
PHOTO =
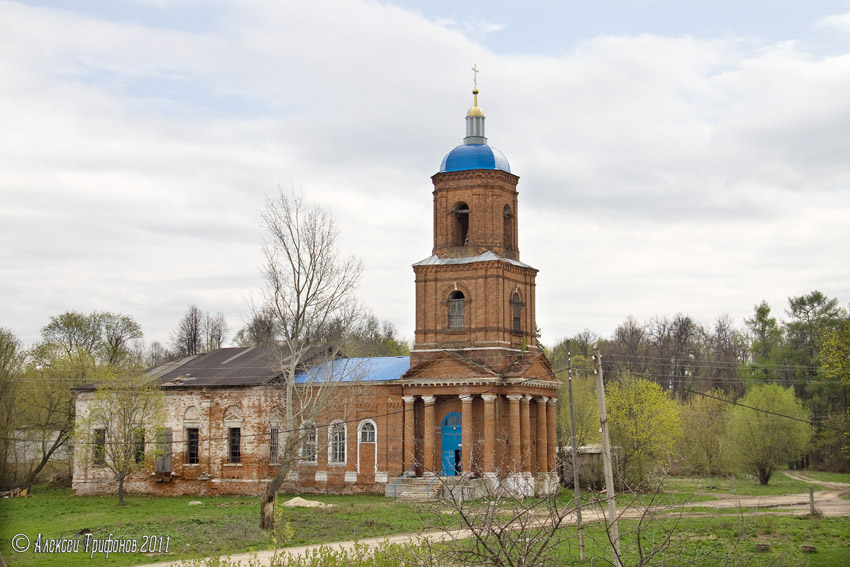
(475, 72)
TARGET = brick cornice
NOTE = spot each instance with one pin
(484, 265)
(474, 174)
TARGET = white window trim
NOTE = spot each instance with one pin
(332, 463)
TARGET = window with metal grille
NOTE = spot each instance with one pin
(516, 309)
(367, 432)
(308, 443)
(99, 447)
(274, 436)
(234, 439)
(337, 443)
(192, 438)
(456, 310)
(139, 446)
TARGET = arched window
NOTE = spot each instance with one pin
(460, 226)
(507, 227)
(516, 311)
(367, 432)
(456, 310)
(337, 448)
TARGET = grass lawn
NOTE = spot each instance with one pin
(829, 476)
(708, 541)
(221, 525)
(779, 484)
(228, 525)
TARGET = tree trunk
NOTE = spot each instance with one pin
(269, 496)
(267, 510)
(121, 491)
(764, 476)
(45, 458)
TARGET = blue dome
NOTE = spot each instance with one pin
(474, 156)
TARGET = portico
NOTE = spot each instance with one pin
(499, 434)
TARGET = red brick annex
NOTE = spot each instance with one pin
(474, 400)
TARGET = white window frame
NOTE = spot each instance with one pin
(333, 443)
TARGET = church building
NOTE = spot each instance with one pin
(475, 399)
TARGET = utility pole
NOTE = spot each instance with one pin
(613, 531)
(574, 452)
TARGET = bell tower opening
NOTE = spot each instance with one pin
(507, 228)
(460, 225)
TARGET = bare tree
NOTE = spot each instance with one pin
(309, 290)
(214, 331)
(187, 339)
(198, 331)
(157, 354)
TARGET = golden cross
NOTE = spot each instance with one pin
(475, 75)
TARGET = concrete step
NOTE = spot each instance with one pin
(414, 489)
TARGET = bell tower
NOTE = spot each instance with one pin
(473, 295)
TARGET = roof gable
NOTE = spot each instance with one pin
(449, 365)
(532, 366)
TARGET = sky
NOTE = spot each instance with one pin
(674, 157)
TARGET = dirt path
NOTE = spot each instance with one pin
(829, 502)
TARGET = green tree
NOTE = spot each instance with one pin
(766, 337)
(768, 428)
(703, 433)
(835, 354)
(76, 348)
(119, 415)
(11, 359)
(584, 402)
(645, 426)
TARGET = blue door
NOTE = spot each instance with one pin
(451, 436)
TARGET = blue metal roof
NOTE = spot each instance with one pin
(374, 369)
(474, 156)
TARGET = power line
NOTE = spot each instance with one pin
(765, 411)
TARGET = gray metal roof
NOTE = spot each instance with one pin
(487, 256)
(241, 367)
(245, 366)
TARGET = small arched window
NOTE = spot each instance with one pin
(507, 227)
(460, 225)
(456, 310)
(367, 432)
(516, 312)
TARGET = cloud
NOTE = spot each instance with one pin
(658, 174)
(840, 22)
